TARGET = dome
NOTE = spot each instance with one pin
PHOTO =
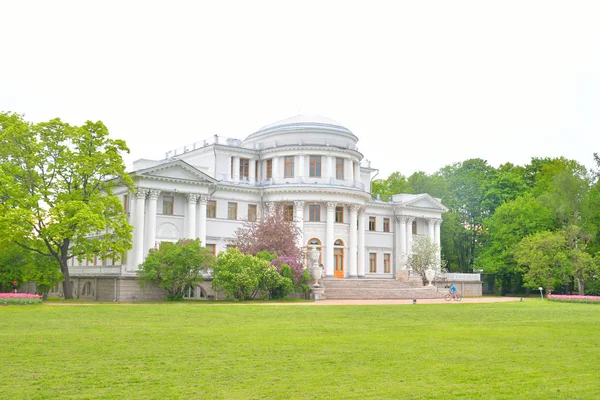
(299, 123)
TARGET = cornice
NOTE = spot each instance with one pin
(311, 147)
(171, 179)
(317, 190)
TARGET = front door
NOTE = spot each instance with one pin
(338, 255)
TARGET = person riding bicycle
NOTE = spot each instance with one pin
(453, 290)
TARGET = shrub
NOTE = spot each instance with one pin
(574, 299)
(19, 298)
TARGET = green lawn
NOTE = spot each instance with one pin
(529, 350)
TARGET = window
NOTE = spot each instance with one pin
(371, 223)
(314, 213)
(288, 170)
(386, 224)
(289, 212)
(126, 203)
(315, 166)
(257, 170)
(252, 212)
(244, 168)
(211, 209)
(339, 168)
(269, 168)
(386, 263)
(168, 205)
(338, 259)
(414, 227)
(372, 262)
(232, 210)
(339, 214)
(212, 248)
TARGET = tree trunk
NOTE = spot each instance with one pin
(67, 286)
(581, 285)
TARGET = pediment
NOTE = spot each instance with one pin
(425, 201)
(177, 170)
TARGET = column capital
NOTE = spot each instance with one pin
(299, 204)
(354, 208)
(203, 199)
(192, 197)
(141, 193)
(409, 220)
(331, 205)
(153, 194)
(402, 218)
(438, 221)
(435, 221)
(361, 210)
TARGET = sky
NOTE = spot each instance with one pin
(422, 84)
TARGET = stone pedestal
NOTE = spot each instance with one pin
(317, 293)
(402, 275)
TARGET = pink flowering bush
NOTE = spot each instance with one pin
(574, 298)
(20, 298)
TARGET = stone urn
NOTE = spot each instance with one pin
(430, 275)
(315, 270)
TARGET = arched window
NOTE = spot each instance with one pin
(87, 289)
(338, 259)
(317, 243)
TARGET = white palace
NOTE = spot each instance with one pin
(310, 164)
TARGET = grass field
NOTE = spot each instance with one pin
(529, 350)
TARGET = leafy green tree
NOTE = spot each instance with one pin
(545, 260)
(425, 255)
(56, 190)
(244, 276)
(511, 223)
(176, 266)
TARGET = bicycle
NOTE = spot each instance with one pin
(450, 296)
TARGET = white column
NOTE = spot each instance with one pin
(230, 170)
(348, 169)
(437, 241)
(300, 174)
(202, 219)
(190, 218)
(353, 271)
(131, 252)
(275, 172)
(330, 238)
(357, 172)
(299, 211)
(151, 220)
(409, 235)
(330, 168)
(401, 259)
(252, 172)
(361, 243)
(138, 237)
(431, 226)
(236, 169)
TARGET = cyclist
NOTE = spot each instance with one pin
(453, 290)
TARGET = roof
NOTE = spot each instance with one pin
(301, 122)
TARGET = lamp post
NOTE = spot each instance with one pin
(541, 295)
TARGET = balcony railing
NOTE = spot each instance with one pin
(299, 180)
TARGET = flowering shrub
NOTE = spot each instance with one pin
(19, 298)
(574, 299)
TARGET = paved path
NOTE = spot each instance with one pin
(317, 303)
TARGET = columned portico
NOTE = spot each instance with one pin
(353, 271)
(299, 217)
(201, 219)
(151, 220)
(361, 243)
(138, 237)
(401, 247)
(409, 235)
(330, 238)
(190, 231)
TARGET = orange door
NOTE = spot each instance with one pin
(339, 263)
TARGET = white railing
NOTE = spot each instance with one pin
(460, 277)
(304, 180)
(111, 270)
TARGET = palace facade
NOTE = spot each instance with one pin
(310, 164)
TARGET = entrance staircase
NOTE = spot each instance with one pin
(376, 289)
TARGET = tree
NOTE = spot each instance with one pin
(176, 266)
(544, 259)
(56, 190)
(510, 223)
(274, 232)
(425, 255)
(244, 276)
